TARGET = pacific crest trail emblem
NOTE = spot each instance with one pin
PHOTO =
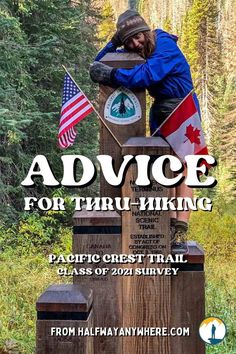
(122, 107)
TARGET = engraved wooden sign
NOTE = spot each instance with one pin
(146, 298)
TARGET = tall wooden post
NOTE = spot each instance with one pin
(99, 232)
(124, 112)
(146, 298)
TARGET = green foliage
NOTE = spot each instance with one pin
(24, 276)
(144, 10)
(167, 26)
(202, 46)
(33, 230)
(36, 38)
(228, 138)
(107, 27)
(216, 233)
(193, 25)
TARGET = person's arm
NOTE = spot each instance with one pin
(161, 63)
(111, 47)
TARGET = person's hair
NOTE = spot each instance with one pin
(149, 46)
(150, 43)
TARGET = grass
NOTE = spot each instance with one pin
(217, 234)
(25, 274)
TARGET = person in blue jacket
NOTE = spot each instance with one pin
(165, 74)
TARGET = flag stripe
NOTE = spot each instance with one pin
(68, 107)
(75, 107)
(67, 139)
(71, 100)
(203, 151)
(79, 107)
(74, 121)
(182, 113)
(77, 121)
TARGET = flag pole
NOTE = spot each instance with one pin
(99, 116)
(172, 112)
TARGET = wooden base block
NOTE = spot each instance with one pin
(61, 311)
(188, 302)
(64, 344)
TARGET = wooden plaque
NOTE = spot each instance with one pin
(70, 344)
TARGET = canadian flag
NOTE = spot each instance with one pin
(183, 131)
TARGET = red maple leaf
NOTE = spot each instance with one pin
(193, 134)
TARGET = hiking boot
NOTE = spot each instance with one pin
(179, 242)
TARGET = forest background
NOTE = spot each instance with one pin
(36, 37)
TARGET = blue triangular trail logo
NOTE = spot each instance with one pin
(122, 106)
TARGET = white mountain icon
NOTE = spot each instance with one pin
(128, 105)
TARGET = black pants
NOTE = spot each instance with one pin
(160, 111)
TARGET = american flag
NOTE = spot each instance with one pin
(75, 107)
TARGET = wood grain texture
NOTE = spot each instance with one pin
(98, 218)
(46, 343)
(188, 310)
(196, 253)
(107, 290)
(108, 145)
(122, 60)
(65, 298)
(153, 146)
(146, 299)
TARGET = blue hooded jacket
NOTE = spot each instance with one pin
(165, 74)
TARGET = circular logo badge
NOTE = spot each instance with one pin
(122, 107)
(212, 330)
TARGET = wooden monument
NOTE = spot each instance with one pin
(132, 301)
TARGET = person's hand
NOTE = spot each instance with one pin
(116, 40)
(101, 73)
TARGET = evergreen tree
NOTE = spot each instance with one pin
(202, 45)
(36, 38)
(202, 48)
